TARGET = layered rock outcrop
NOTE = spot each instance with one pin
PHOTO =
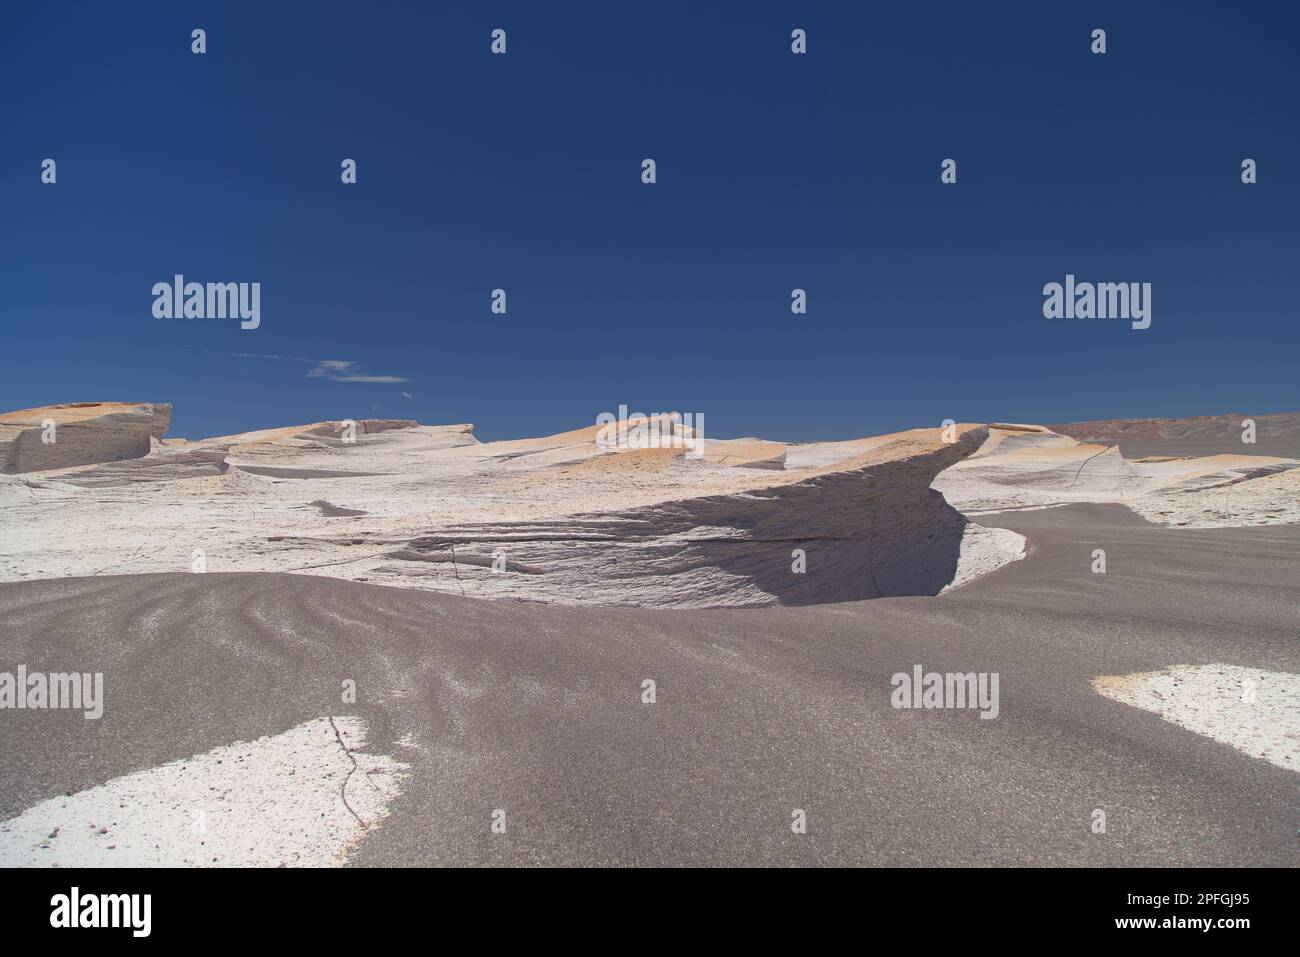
(867, 527)
(79, 433)
(667, 518)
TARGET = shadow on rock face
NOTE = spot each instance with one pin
(871, 532)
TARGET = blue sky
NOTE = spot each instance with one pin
(775, 171)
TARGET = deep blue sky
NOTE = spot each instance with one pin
(775, 171)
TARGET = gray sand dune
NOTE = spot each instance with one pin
(535, 710)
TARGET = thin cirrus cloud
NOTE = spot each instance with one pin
(334, 370)
(345, 370)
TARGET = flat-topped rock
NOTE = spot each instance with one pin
(79, 433)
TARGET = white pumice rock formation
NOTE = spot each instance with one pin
(1023, 467)
(674, 522)
(867, 526)
(669, 521)
(79, 433)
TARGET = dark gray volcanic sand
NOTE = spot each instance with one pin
(536, 709)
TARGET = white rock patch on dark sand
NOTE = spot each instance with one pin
(300, 798)
(1255, 711)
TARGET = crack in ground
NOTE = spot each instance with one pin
(1084, 463)
(343, 789)
(344, 561)
(130, 558)
(456, 568)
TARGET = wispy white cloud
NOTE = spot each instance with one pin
(335, 370)
(263, 355)
(346, 370)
